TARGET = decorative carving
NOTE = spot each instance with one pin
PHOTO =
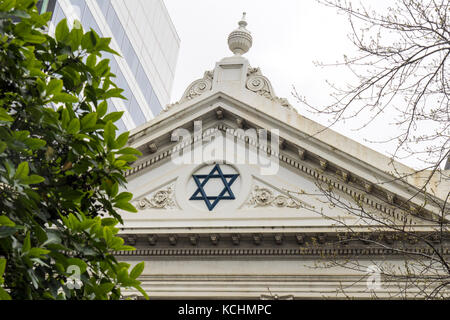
(260, 85)
(302, 153)
(173, 239)
(214, 239)
(240, 123)
(263, 197)
(252, 71)
(323, 164)
(170, 106)
(198, 87)
(300, 239)
(413, 239)
(391, 198)
(131, 239)
(235, 238)
(282, 144)
(436, 238)
(389, 239)
(152, 239)
(219, 114)
(193, 239)
(322, 238)
(345, 175)
(161, 199)
(278, 239)
(152, 147)
(257, 239)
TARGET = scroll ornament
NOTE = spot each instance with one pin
(199, 87)
(161, 199)
(263, 197)
(259, 84)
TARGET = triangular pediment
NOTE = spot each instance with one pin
(279, 173)
(167, 195)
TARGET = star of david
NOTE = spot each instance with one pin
(216, 173)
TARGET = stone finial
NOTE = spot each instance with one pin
(240, 40)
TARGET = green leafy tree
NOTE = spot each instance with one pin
(61, 164)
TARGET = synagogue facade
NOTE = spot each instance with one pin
(241, 197)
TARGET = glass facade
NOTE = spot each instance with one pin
(130, 55)
(91, 19)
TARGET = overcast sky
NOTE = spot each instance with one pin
(288, 36)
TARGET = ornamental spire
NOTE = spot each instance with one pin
(240, 40)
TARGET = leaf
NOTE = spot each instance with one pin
(109, 134)
(4, 116)
(102, 67)
(143, 292)
(77, 262)
(128, 158)
(125, 206)
(64, 98)
(2, 266)
(52, 238)
(102, 109)
(124, 196)
(62, 30)
(74, 126)
(113, 93)
(22, 171)
(113, 116)
(110, 222)
(7, 231)
(104, 288)
(33, 179)
(4, 295)
(5, 221)
(38, 252)
(65, 118)
(121, 140)
(75, 38)
(20, 14)
(137, 270)
(127, 248)
(54, 86)
(114, 189)
(33, 38)
(91, 61)
(2, 146)
(34, 279)
(129, 151)
(7, 5)
(89, 121)
(89, 41)
(35, 143)
(120, 163)
(26, 243)
(107, 234)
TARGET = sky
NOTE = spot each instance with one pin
(288, 37)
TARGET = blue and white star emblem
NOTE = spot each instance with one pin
(216, 173)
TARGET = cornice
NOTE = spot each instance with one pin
(279, 244)
(318, 168)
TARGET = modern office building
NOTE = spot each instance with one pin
(144, 35)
